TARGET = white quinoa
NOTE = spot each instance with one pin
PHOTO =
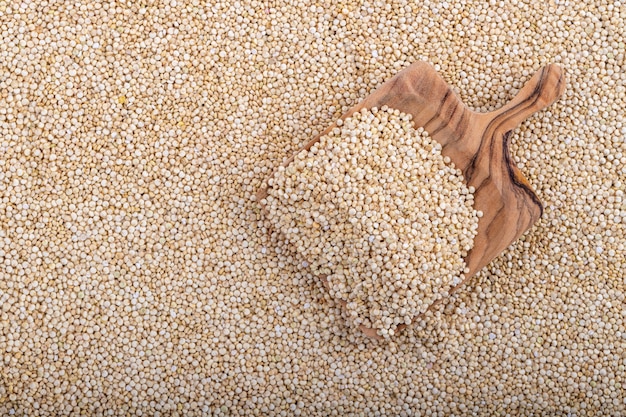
(137, 274)
(377, 211)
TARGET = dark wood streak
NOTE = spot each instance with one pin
(438, 112)
(513, 177)
(468, 171)
(483, 183)
(459, 129)
(500, 210)
(477, 144)
(444, 122)
(461, 126)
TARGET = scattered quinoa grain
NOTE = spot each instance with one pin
(192, 305)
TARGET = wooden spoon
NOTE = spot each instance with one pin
(477, 144)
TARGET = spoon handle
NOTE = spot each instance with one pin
(543, 89)
(506, 198)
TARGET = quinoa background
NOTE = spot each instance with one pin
(137, 274)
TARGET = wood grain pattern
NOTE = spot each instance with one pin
(477, 143)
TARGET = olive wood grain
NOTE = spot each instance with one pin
(477, 143)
